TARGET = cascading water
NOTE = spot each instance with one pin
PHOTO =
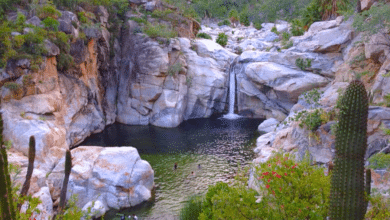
(232, 94)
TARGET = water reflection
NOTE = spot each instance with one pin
(217, 144)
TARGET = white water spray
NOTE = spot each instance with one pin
(232, 95)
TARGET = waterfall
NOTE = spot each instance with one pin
(232, 93)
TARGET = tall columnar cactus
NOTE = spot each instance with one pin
(30, 168)
(7, 208)
(68, 167)
(347, 195)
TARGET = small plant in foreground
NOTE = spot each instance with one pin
(222, 39)
(380, 208)
(293, 190)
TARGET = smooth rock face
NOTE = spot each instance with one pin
(208, 68)
(272, 95)
(326, 40)
(378, 47)
(115, 176)
(366, 4)
(268, 125)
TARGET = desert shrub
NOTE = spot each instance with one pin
(120, 6)
(138, 20)
(174, 69)
(311, 14)
(303, 64)
(64, 62)
(159, 30)
(233, 14)
(82, 18)
(222, 39)
(380, 208)
(62, 41)
(257, 25)
(203, 35)
(7, 5)
(161, 13)
(287, 189)
(224, 22)
(379, 161)
(315, 117)
(287, 44)
(286, 36)
(18, 41)
(12, 86)
(244, 17)
(48, 11)
(51, 23)
(297, 27)
(34, 43)
(373, 20)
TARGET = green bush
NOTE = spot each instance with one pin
(18, 41)
(311, 13)
(12, 86)
(203, 35)
(64, 62)
(273, 29)
(159, 30)
(191, 209)
(161, 13)
(82, 18)
(303, 64)
(373, 20)
(297, 27)
(174, 69)
(51, 23)
(48, 11)
(287, 190)
(257, 25)
(380, 208)
(138, 20)
(233, 14)
(379, 161)
(222, 39)
(224, 22)
(244, 18)
(62, 41)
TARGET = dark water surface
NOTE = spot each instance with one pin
(217, 144)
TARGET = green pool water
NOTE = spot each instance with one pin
(218, 145)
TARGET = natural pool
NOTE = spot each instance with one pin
(218, 145)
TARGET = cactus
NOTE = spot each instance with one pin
(347, 195)
(7, 208)
(68, 167)
(367, 186)
(31, 157)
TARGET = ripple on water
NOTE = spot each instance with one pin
(217, 144)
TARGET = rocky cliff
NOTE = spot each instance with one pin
(128, 77)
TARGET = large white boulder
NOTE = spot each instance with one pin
(115, 176)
